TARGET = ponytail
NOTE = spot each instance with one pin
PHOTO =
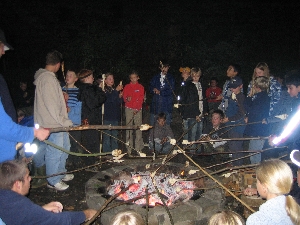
(292, 209)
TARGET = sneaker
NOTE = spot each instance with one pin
(60, 186)
(68, 177)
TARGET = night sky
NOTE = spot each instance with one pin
(119, 36)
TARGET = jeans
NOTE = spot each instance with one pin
(193, 129)
(110, 143)
(153, 118)
(160, 148)
(236, 146)
(39, 156)
(256, 145)
(56, 159)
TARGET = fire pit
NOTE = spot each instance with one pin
(186, 202)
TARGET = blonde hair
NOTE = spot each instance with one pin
(262, 83)
(226, 217)
(196, 71)
(127, 218)
(264, 67)
(277, 176)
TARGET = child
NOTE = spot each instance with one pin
(235, 113)
(226, 217)
(161, 135)
(257, 109)
(274, 181)
(214, 131)
(74, 109)
(127, 218)
(133, 96)
(92, 98)
(274, 88)
(189, 105)
(112, 112)
(197, 129)
(212, 93)
(232, 71)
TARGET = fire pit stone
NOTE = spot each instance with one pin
(183, 213)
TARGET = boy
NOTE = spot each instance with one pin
(212, 93)
(235, 113)
(74, 109)
(133, 96)
(160, 135)
(257, 108)
(232, 71)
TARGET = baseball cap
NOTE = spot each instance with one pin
(3, 40)
(235, 82)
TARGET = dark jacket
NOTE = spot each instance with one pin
(6, 100)
(164, 101)
(257, 109)
(161, 132)
(112, 105)
(92, 98)
(189, 100)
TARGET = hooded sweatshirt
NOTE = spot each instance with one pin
(50, 109)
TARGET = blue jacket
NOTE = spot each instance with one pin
(10, 134)
(17, 209)
(164, 101)
(112, 105)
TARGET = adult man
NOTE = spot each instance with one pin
(50, 111)
(162, 87)
(4, 92)
(18, 209)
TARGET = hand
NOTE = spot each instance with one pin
(41, 133)
(156, 91)
(119, 87)
(163, 140)
(89, 213)
(101, 85)
(270, 140)
(225, 120)
(219, 98)
(246, 119)
(198, 118)
(128, 98)
(66, 96)
(121, 94)
(250, 191)
(55, 207)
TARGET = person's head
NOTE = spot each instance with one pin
(53, 61)
(196, 73)
(134, 77)
(226, 217)
(161, 119)
(109, 79)
(236, 84)
(213, 82)
(23, 85)
(127, 218)
(71, 77)
(260, 70)
(86, 76)
(292, 82)
(4, 46)
(164, 67)
(14, 175)
(273, 176)
(21, 114)
(233, 70)
(185, 72)
(261, 83)
(216, 117)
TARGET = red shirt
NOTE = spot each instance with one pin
(136, 92)
(212, 93)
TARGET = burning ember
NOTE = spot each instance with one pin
(170, 188)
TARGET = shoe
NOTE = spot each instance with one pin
(60, 186)
(68, 177)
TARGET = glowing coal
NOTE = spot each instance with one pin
(169, 185)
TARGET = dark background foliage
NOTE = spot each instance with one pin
(119, 36)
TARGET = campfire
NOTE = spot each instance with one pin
(170, 188)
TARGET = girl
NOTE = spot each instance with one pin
(274, 181)
(274, 89)
(112, 111)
